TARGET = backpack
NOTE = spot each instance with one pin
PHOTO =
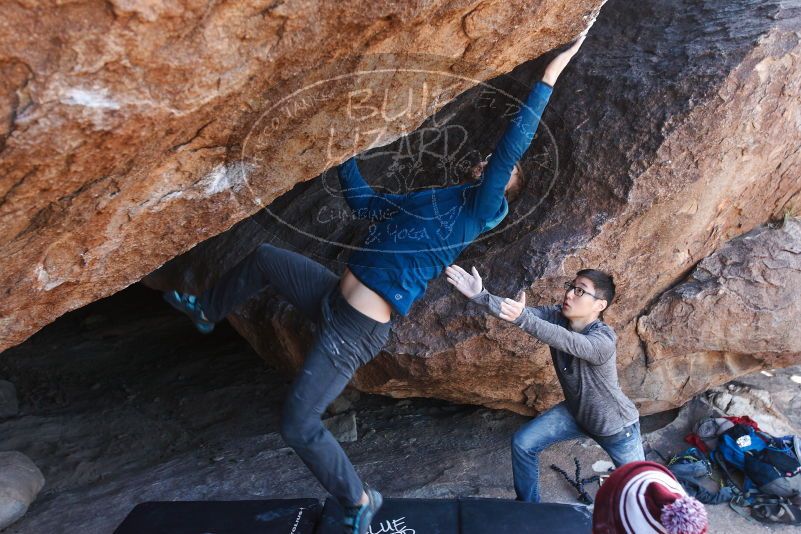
(766, 464)
(734, 444)
(776, 469)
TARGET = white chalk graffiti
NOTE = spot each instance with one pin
(394, 526)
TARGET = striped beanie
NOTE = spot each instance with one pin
(645, 498)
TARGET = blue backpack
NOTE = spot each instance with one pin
(735, 443)
(766, 464)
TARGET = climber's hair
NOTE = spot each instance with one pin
(603, 283)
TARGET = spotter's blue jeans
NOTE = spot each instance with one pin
(555, 425)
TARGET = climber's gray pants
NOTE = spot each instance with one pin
(345, 340)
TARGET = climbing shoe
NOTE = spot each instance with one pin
(357, 519)
(188, 304)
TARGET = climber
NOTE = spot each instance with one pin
(584, 356)
(415, 236)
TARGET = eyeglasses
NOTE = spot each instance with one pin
(580, 291)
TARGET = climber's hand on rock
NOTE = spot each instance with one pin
(468, 284)
(558, 64)
(512, 308)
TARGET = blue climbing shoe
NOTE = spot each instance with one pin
(357, 519)
(188, 304)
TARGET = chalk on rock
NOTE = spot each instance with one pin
(343, 427)
(8, 399)
(20, 483)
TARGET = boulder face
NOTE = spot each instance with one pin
(131, 131)
(674, 131)
(737, 311)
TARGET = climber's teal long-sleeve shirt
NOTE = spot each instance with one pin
(414, 236)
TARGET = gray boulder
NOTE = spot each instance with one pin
(20, 483)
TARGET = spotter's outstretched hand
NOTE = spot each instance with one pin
(468, 284)
(512, 308)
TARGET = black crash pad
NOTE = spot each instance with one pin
(397, 516)
(497, 516)
(275, 516)
(400, 516)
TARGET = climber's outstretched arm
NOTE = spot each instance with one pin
(472, 286)
(538, 321)
(517, 137)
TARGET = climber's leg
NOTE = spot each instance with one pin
(301, 280)
(346, 340)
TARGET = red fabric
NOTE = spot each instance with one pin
(744, 420)
(695, 440)
(606, 514)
